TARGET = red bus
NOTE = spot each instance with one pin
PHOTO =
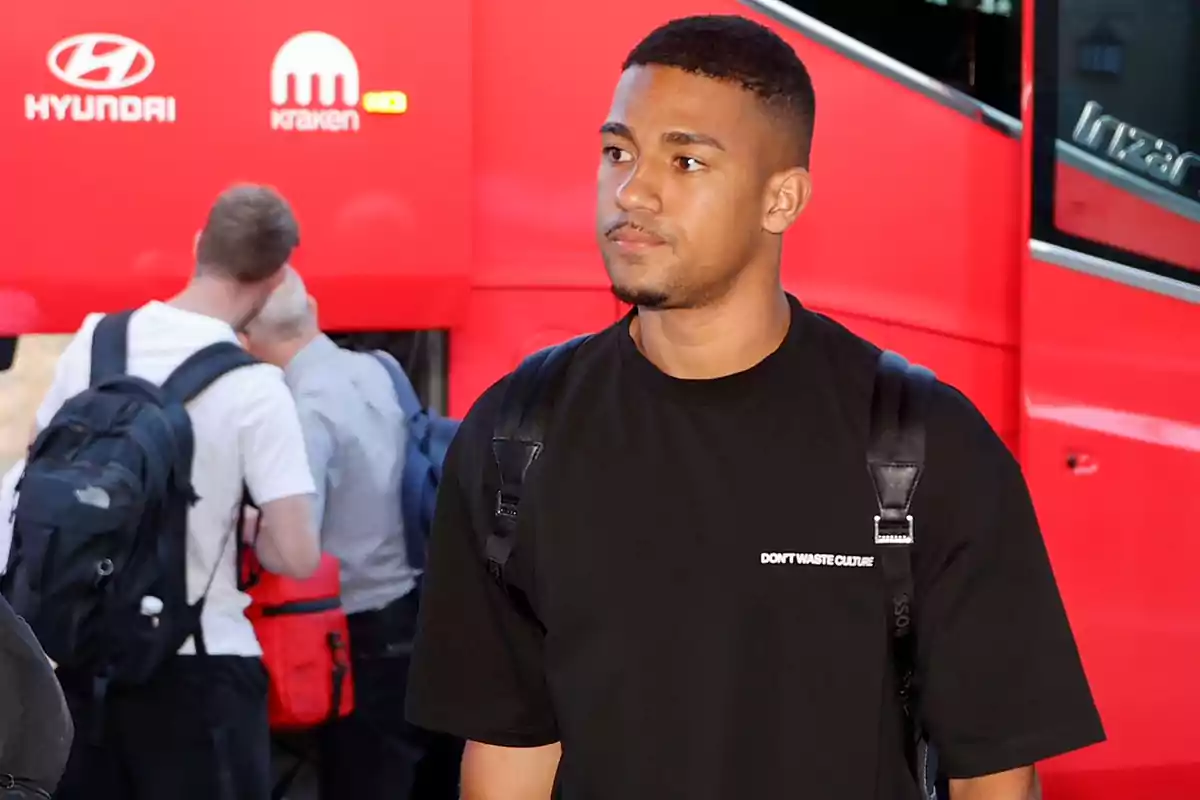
(1007, 191)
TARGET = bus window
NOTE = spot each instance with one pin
(973, 46)
(1117, 131)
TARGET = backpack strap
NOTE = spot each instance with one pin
(249, 571)
(193, 376)
(412, 477)
(896, 459)
(197, 372)
(406, 395)
(203, 367)
(518, 438)
(110, 347)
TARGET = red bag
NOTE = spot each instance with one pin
(306, 644)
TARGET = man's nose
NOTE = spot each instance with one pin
(640, 191)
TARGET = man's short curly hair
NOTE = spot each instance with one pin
(741, 51)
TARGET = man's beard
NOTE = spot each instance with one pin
(642, 298)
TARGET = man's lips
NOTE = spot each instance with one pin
(635, 239)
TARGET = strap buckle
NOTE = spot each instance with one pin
(506, 506)
(894, 531)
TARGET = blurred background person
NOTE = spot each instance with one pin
(355, 433)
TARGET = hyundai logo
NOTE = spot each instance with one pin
(100, 61)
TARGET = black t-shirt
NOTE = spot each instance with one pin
(35, 726)
(670, 660)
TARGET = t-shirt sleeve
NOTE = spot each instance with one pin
(1000, 680)
(477, 670)
(272, 441)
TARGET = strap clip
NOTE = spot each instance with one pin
(894, 531)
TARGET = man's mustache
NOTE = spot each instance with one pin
(623, 222)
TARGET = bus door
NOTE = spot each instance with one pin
(1110, 371)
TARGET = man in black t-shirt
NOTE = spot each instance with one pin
(35, 726)
(652, 649)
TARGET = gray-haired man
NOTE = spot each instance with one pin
(354, 432)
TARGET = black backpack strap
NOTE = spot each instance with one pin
(110, 347)
(518, 439)
(249, 571)
(896, 459)
(193, 376)
(203, 367)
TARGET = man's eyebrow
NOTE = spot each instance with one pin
(617, 129)
(670, 137)
(688, 137)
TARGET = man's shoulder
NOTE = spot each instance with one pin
(962, 442)
(585, 356)
(258, 385)
(248, 391)
(840, 367)
(853, 361)
(579, 354)
(162, 337)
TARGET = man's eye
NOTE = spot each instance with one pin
(689, 164)
(617, 155)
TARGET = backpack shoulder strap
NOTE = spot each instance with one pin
(518, 438)
(110, 347)
(197, 372)
(202, 367)
(406, 395)
(896, 459)
(189, 379)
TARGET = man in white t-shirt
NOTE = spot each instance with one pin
(198, 729)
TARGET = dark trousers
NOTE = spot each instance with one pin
(375, 752)
(197, 731)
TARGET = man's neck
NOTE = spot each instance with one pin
(727, 337)
(288, 349)
(215, 298)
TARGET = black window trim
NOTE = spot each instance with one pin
(1071, 252)
(1076, 252)
(882, 63)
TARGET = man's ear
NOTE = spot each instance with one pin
(788, 192)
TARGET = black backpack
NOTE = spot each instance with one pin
(895, 459)
(98, 560)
